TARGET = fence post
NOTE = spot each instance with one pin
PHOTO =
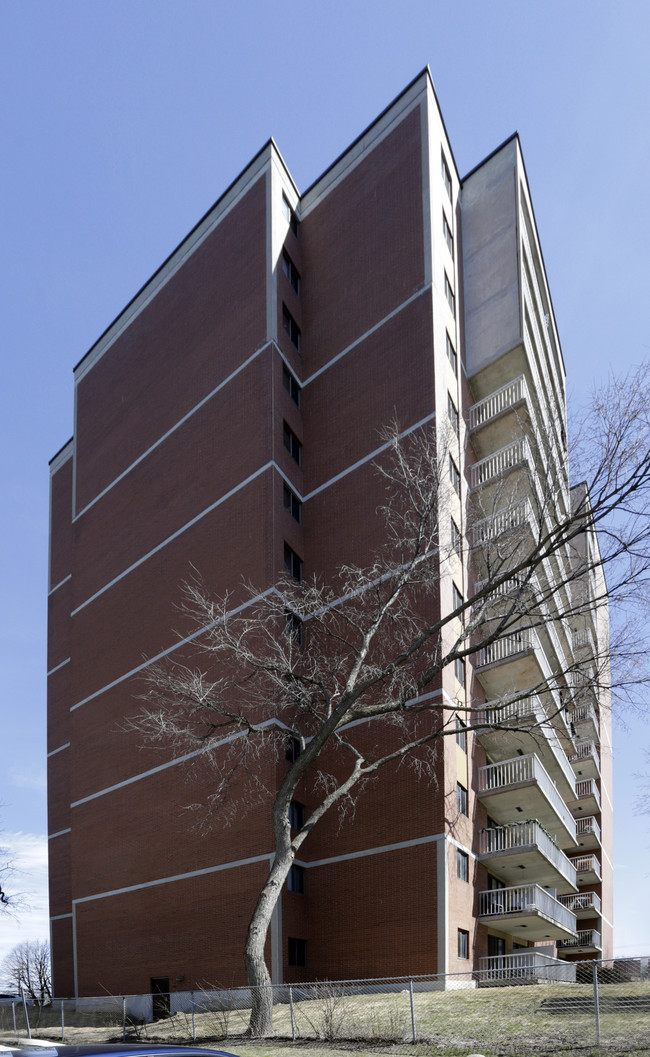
(123, 1018)
(22, 994)
(413, 1031)
(62, 1022)
(596, 1002)
(193, 1018)
(13, 1013)
(293, 1023)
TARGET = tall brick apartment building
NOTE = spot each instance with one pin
(229, 418)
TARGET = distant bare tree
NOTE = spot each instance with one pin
(26, 969)
(322, 668)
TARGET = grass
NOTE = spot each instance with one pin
(499, 1021)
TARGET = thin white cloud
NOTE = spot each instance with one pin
(29, 779)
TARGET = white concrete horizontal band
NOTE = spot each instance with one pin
(60, 917)
(232, 375)
(173, 763)
(57, 666)
(60, 584)
(382, 849)
(59, 833)
(53, 752)
(176, 877)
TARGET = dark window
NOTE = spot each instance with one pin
(449, 238)
(463, 943)
(459, 671)
(461, 799)
(449, 294)
(293, 626)
(292, 504)
(296, 879)
(292, 444)
(454, 474)
(461, 734)
(297, 952)
(456, 545)
(296, 815)
(291, 272)
(451, 355)
(291, 327)
(457, 598)
(446, 175)
(291, 385)
(294, 223)
(462, 865)
(452, 412)
(292, 563)
(292, 750)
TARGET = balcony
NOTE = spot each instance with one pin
(524, 966)
(587, 869)
(582, 904)
(586, 942)
(584, 643)
(588, 832)
(523, 726)
(522, 786)
(513, 660)
(500, 463)
(585, 721)
(527, 912)
(585, 760)
(587, 801)
(507, 850)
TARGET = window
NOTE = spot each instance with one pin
(456, 597)
(449, 238)
(297, 952)
(293, 626)
(292, 563)
(446, 175)
(296, 879)
(451, 355)
(294, 223)
(291, 272)
(292, 444)
(462, 865)
(296, 815)
(452, 413)
(291, 385)
(455, 538)
(454, 474)
(449, 294)
(459, 672)
(461, 799)
(291, 327)
(292, 750)
(463, 943)
(461, 734)
(292, 504)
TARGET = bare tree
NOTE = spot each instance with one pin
(26, 969)
(344, 673)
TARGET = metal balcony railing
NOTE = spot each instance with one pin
(578, 901)
(528, 710)
(587, 826)
(520, 835)
(497, 402)
(525, 899)
(584, 713)
(524, 964)
(586, 750)
(586, 864)
(507, 646)
(585, 938)
(512, 517)
(500, 462)
(587, 788)
(495, 776)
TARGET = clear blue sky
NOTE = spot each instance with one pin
(121, 124)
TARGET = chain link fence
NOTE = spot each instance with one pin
(519, 1004)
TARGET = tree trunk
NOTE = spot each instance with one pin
(261, 1022)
